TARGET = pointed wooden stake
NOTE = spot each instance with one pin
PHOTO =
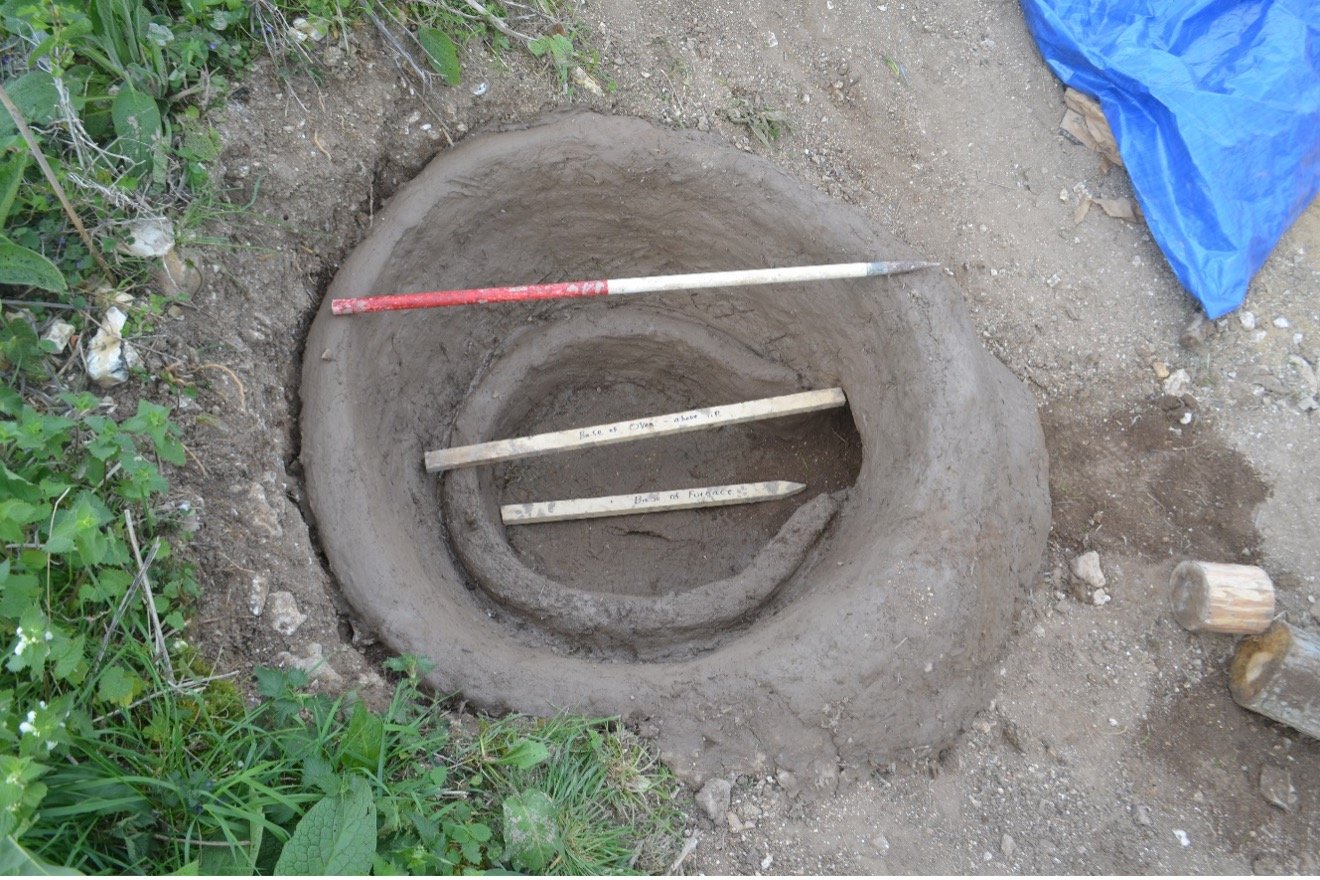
(647, 502)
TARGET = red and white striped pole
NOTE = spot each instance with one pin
(620, 286)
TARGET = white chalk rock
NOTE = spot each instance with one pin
(285, 618)
(1178, 383)
(108, 357)
(1087, 569)
(149, 237)
(258, 593)
(58, 334)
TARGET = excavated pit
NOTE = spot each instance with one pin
(857, 620)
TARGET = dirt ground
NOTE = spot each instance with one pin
(1112, 745)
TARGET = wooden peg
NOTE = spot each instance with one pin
(1222, 597)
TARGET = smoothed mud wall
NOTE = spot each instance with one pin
(858, 620)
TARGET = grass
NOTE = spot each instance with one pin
(120, 749)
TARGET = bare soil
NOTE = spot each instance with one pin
(1111, 738)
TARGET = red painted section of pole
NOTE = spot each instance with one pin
(437, 298)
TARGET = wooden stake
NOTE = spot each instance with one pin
(1222, 597)
(1278, 675)
(634, 429)
(647, 502)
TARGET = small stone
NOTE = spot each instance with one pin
(767, 862)
(318, 669)
(735, 824)
(109, 357)
(1281, 322)
(788, 782)
(177, 277)
(1183, 839)
(1196, 333)
(1063, 195)
(262, 514)
(58, 334)
(1100, 597)
(584, 79)
(1305, 372)
(881, 843)
(1308, 404)
(285, 618)
(150, 237)
(1141, 815)
(1247, 320)
(714, 799)
(258, 592)
(1178, 383)
(1007, 846)
(1014, 737)
(1161, 370)
(1276, 786)
(1087, 568)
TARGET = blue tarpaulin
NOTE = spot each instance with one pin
(1215, 105)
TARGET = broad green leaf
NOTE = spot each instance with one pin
(441, 52)
(557, 46)
(11, 175)
(24, 267)
(363, 740)
(531, 834)
(19, 591)
(336, 836)
(525, 754)
(17, 861)
(137, 122)
(119, 686)
(67, 657)
(35, 97)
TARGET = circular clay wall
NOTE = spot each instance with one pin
(857, 620)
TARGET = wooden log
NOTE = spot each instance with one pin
(1222, 597)
(1278, 675)
(635, 429)
(647, 502)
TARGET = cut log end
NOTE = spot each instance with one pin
(1278, 675)
(1256, 661)
(1222, 597)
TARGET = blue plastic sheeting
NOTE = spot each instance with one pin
(1215, 105)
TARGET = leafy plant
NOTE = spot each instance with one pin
(120, 751)
(764, 123)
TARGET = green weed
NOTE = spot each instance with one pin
(120, 751)
(765, 124)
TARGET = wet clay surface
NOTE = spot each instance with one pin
(909, 580)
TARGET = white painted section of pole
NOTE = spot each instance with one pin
(647, 502)
(746, 277)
